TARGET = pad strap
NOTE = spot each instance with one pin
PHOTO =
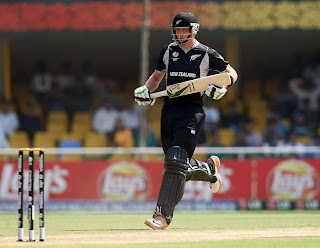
(200, 171)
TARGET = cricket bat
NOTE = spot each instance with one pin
(193, 86)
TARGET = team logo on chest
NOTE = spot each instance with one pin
(194, 56)
(175, 56)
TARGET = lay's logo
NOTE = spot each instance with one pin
(293, 180)
(124, 181)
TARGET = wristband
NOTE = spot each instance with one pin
(232, 81)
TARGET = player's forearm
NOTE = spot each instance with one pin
(154, 81)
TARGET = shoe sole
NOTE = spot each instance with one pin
(149, 224)
(216, 162)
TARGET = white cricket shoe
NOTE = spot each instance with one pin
(216, 186)
(157, 223)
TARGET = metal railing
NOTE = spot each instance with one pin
(312, 151)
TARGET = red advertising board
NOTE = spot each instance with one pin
(288, 179)
(140, 180)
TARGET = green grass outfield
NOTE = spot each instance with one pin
(188, 229)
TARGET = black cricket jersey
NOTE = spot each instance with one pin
(186, 64)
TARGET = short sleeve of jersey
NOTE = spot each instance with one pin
(161, 66)
(216, 61)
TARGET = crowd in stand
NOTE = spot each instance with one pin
(293, 109)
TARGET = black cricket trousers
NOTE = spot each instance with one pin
(181, 124)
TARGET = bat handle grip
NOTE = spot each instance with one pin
(159, 94)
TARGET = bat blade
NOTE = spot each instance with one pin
(193, 86)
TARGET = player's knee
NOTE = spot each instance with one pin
(188, 146)
(176, 161)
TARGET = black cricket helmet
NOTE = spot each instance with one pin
(184, 20)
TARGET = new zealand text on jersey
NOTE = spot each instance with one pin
(182, 74)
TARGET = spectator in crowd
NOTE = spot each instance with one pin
(231, 119)
(246, 136)
(41, 82)
(283, 101)
(105, 118)
(3, 138)
(123, 137)
(240, 139)
(304, 88)
(108, 89)
(252, 137)
(56, 99)
(300, 126)
(9, 123)
(30, 121)
(212, 117)
(65, 78)
(151, 139)
(130, 115)
(311, 116)
(215, 141)
(281, 127)
(292, 140)
(79, 98)
(271, 136)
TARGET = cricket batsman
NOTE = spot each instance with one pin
(183, 117)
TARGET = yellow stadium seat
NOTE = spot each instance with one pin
(57, 128)
(44, 140)
(82, 117)
(81, 123)
(82, 128)
(58, 116)
(304, 139)
(19, 139)
(93, 139)
(227, 136)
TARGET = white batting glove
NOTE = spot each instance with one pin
(215, 92)
(142, 96)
